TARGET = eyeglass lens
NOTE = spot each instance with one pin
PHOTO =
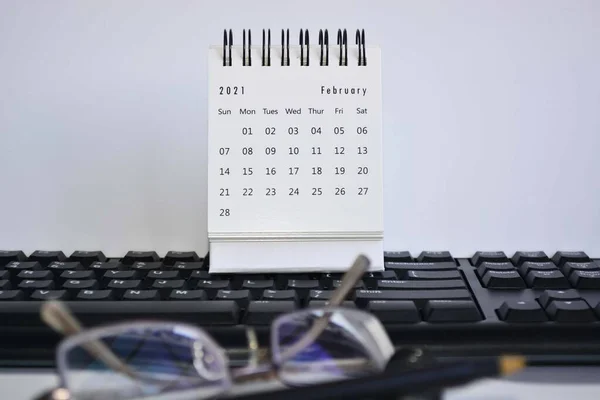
(162, 361)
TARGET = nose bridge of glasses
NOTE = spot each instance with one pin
(353, 274)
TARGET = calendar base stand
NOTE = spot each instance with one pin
(292, 256)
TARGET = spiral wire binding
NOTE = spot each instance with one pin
(362, 53)
(304, 41)
(342, 42)
(324, 42)
(285, 48)
(227, 46)
(266, 61)
(249, 60)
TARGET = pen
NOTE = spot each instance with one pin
(406, 382)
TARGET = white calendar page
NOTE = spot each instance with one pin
(295, 162)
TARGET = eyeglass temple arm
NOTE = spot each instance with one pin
(57, 316)
(353, 275)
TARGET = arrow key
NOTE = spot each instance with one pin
(570, 311)
(565, 295)
(521, 311)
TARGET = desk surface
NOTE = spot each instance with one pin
(534, 383)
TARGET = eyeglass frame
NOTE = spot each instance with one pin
(56, 315)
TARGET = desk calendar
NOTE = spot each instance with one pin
(295, 154)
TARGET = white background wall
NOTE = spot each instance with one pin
(491, 119)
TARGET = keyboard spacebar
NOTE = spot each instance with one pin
(215, 312)
(363, 296)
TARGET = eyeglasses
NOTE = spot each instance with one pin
(174, 360)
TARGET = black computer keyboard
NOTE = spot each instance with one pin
(529, 302)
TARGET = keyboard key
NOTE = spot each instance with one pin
(165, 287)
(435, 256)
(187, 268)
(357, 285)
(280, 295)
(5, 284)
(100, 268)
(141, 256)
(570, 311)
(547, 280)
(237, 280)
(263, 312)
(11, 295)
(569, 267)
(4, 274)
(562, 295)
(119, 286)
(213, 286)
(257, 287)
(536, 256)
(43, 295)
(77, 275)
(397, 256)
(370, 278)
(33, 274)
(146, 266)
(420, 266)
(490, 266)
(433, 275)
(327, 279)
(302, 286)
(241, 297)
(196, 294)
(124, 284)
(22, 265)
(528, 266)
(585, 279)
(521, 311)
(95, 295)
(298, 277)
(319, 294)
(496, 266)
(64, 266)
(119, 275)
(324, 303)
(7, 256)
(163, 275)
(394, 311)
(363, 296)
(488, 256)
(202, 276)
(46, 257)
(145, 295)
(173, 257)
(421, 285)
(31, 285)
(451, 311)
(281, 280)
(562, 257)
(87, 258)
(77, 285)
